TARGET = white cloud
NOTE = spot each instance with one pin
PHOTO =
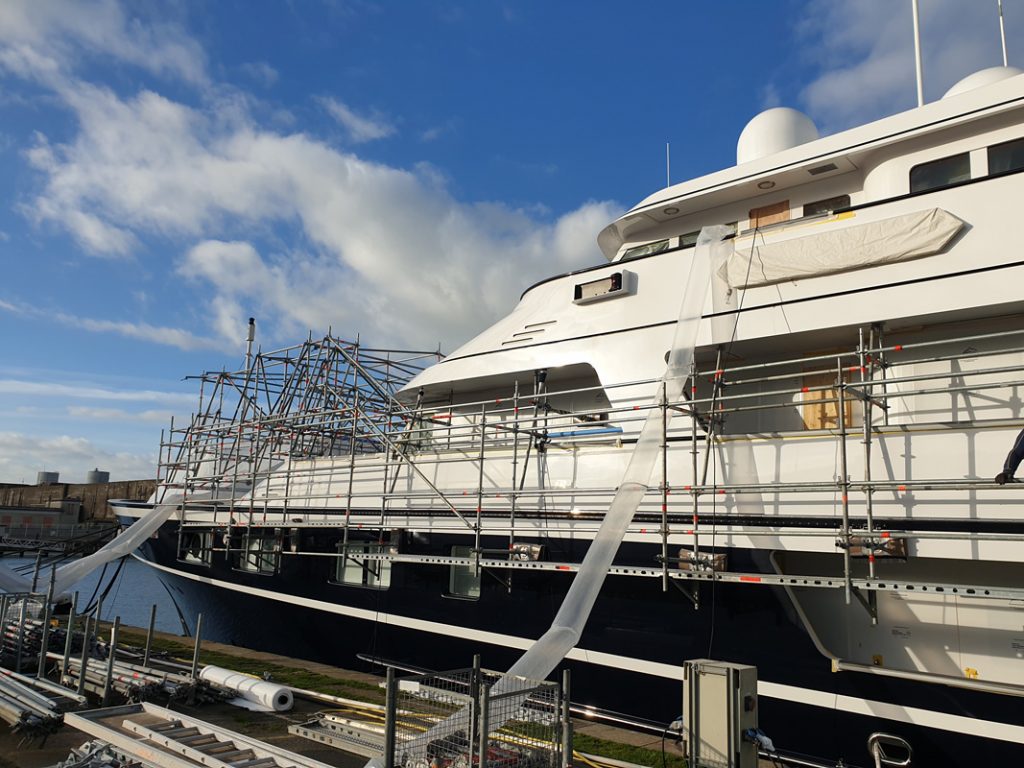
(392, 253)
(382, 251)
(41, 38)
(361, 128)
(865, 51)
(21, 456)
(119, 414)
(172, 337)
(82, 391)
(261, 72)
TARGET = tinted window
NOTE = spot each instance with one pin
(827, 206)
(1005, 157)
(646, 250)
(940, 173)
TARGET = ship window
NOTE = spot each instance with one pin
(827, 205)
(648, 249)
(195, 547)
(462, 581)
(940, 173)
(689, 239)
(358, 571)
(1006, 157)
(260, 554)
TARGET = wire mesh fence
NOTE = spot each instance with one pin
(464, 719)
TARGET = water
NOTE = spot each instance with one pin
(135, 590)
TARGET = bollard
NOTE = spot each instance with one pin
(44, 640)
(149, 635)
(66, 659)
(111, 652)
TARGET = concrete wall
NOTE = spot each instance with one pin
(94, 496)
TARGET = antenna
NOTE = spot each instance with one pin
(917, 54)
(668, 166)
(1002, 32)
(248, 343)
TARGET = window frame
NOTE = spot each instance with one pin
(462, 550)
(347, 560)
(964, 157)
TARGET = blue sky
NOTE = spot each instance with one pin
(398, 170)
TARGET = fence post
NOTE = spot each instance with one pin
(390, 708)
(566, 722)
(111, 651)
(485, 702)
(474, 707)
(85, 653)
(44, 640)
(149, 635)
(67, 640)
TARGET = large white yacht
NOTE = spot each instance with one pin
(822, 503)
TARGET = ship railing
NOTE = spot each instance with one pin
(516, 428)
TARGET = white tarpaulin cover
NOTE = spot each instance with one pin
(899, 238)
(124, 544)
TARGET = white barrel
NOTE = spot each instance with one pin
(270, 695)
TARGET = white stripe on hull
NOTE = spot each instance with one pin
(809, 696)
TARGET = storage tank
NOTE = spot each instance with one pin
(97, 476)
(47, 478)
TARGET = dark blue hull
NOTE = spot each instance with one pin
(635, 636)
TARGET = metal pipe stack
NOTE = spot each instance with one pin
(28, 712)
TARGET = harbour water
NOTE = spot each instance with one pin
(134, 590)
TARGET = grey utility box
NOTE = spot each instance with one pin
(719, 704)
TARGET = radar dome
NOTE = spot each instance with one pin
(981, 78)
(773, 131)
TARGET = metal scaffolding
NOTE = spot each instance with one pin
(313, 435)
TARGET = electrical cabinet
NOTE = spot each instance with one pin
(719, 705)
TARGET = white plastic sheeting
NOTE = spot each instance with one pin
(268, 696)
(841, 249)
(544, 655)
(567, 627)
(124, 544)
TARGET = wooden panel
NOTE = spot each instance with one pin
(769, 214)
(817, 412)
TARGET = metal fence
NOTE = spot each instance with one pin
(464, 719)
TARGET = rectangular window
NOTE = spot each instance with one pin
(260, 554)
(195, 547)
(827, 205)
(1006, 157)
(354, 569)
(689, 239)
(648, 249)
(462, 581)
(940, 173)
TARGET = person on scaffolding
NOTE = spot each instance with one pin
(1013, 460)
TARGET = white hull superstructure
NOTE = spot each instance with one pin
(855, 387)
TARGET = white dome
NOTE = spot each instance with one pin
(773, 131)
(981, 78)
